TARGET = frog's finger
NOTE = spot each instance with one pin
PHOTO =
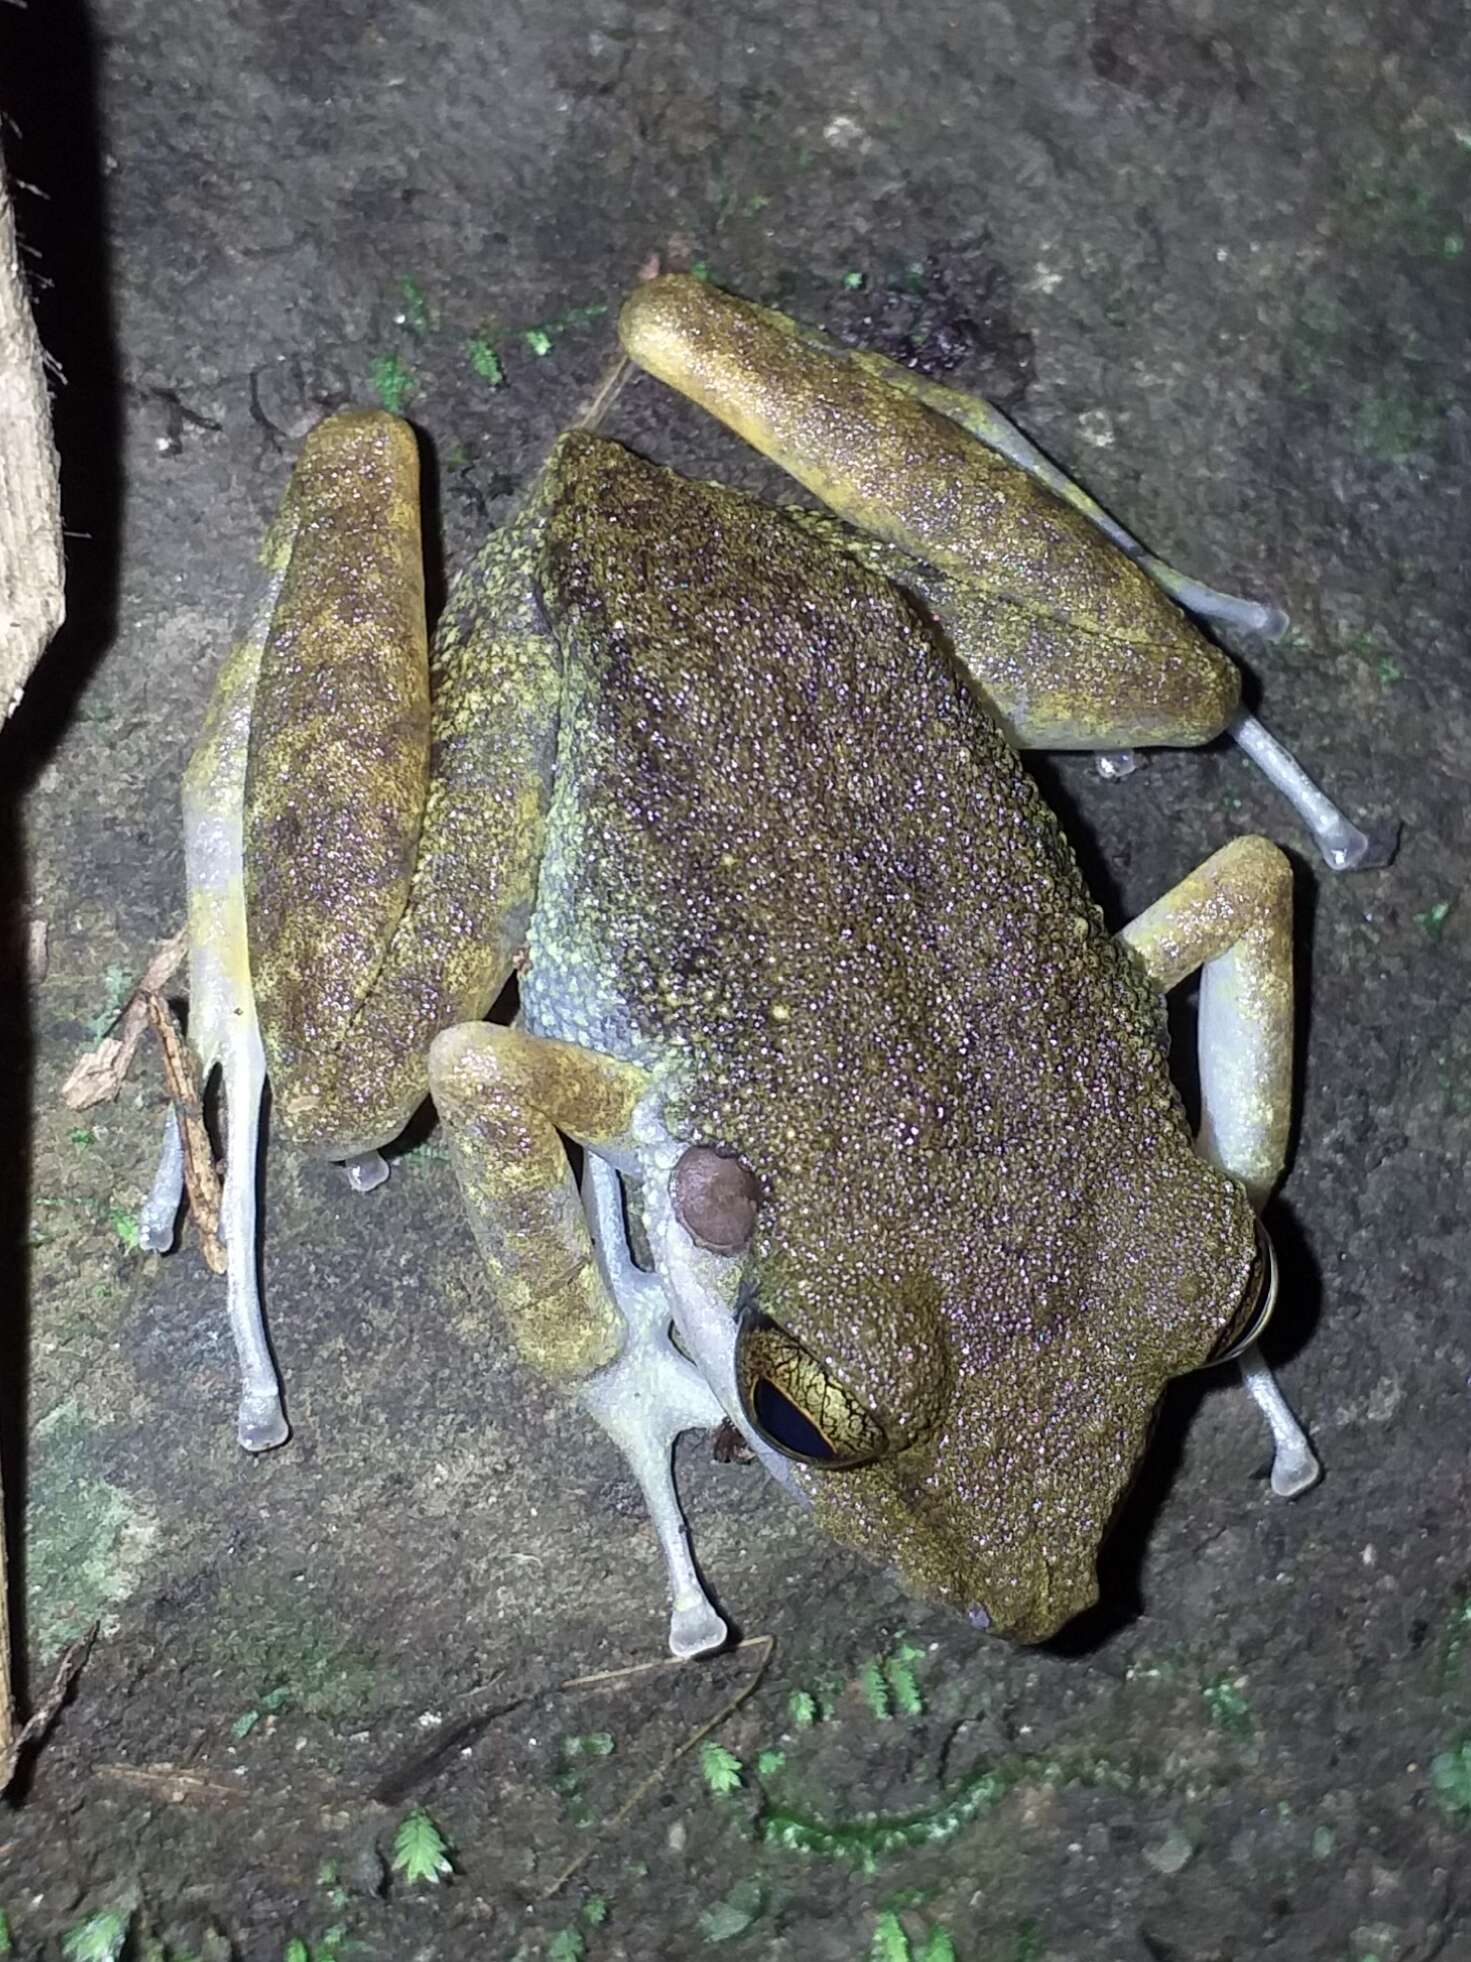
(579, 1310)
(1344, 846)
(1232, 920)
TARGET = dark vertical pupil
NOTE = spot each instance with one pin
(788, 1427)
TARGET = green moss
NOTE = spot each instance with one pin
(88, 1542)
(871, 1837)
(285, 1654)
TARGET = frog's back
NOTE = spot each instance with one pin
(788, 847)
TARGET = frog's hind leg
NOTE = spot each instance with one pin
(580, 1311)
(1232, 920)
(1063, 619)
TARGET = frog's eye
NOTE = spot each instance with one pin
(1258, 1299)
(796, 1406)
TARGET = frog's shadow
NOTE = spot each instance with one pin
(1121, 1597)
(1121, 1594)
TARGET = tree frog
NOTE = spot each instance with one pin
(883, 1165)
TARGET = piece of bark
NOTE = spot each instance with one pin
(31, 567)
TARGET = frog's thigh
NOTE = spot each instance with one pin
(386, 897)
(880, 456)
(579, 1311)
(1232, 920)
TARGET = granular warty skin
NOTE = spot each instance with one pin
(882, 1164)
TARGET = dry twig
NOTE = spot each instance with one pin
(13, 1741)
(98, 1076)
(201, 1181)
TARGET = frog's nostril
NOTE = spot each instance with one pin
(978, 1618)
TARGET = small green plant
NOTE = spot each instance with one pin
(899, 1670)
(99, 1938)
(1388, 671)
(1226, 1702)
(875, 1687)
(1450, 1779)
(890, 1943)
(802, 1709)
(769, 1763)
(392, 382)
(420, 1850)
(414, 311)
(539, 341)
(567, 1946)
(124, 1223)
(721, 1768)
(597, 1744)
(6, 1945)
(485, 361)
(296, 1950)
(1432, 921)
(118, 988)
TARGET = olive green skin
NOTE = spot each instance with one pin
(792, 866)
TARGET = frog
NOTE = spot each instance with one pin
(884, 1176)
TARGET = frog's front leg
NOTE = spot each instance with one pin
(1232, 920)
(580, 1311)
(1058, 614)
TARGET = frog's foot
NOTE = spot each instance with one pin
(644, 1401)
(1344, 846)
(367, 1171)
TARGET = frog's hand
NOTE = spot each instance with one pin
(1232, 920)
(579, 1310)
(222, 1019)
(1055, 610)
(390, 844)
